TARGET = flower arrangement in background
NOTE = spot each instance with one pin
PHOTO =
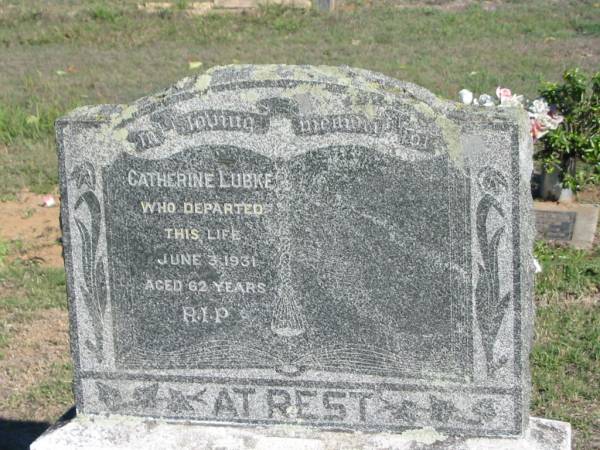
(542, 116)
(566, 121)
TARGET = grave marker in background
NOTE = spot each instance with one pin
(573, 224)
(315, 246)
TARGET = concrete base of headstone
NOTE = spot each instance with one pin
(127, 433)
(574, 224)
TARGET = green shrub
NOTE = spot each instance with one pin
(574, 147)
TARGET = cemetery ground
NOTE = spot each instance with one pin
(55, 57)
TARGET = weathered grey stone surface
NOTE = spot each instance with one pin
(300, 245)
(126, 433)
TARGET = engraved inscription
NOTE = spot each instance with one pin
(201, 180)
(238, 254)
(311, 404)
(419, 136)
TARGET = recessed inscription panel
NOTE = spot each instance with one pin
(330, 261)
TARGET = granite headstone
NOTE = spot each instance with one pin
(300, 245)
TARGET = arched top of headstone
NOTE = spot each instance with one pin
(343, 79)
(299, 106)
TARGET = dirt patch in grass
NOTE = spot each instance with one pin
(36, 351)
(33, 229)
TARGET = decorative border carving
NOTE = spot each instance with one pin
(146, 397)
(94, 285)
(490, 306)
(441, 410)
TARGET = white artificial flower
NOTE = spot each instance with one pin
(512, 101)
(539, 106)
(466, 96)
(486, 100)
(548, 122)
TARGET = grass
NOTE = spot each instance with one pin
(566, 368)
(27, 153)
(18, 123)
(568, 273)
(25, 290)
(31, 287)
(28, 164)
(54, 390)
(38, 381)
(104, 14)
(565, 360)
(64, 54)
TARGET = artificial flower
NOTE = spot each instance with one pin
(48, 201)
(537, 131)
(503, 93)
(486, 100)
(549, 122)
(511, 101)
(539, 106)
(465, 96)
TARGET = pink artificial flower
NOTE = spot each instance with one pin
(503, 93)
(48, 201)
(537, 130)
